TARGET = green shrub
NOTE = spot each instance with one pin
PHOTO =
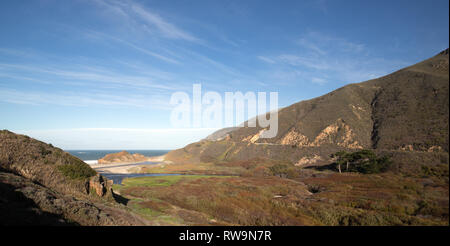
(78, 170)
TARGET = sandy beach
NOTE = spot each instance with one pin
(124, 168)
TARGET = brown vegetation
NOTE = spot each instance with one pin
(41, 184)
(401, 117)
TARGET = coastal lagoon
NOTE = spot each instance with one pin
(118, 177)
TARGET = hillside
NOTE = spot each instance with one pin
(370, 153)
(123, 157)
(403, 111)
(41, 184)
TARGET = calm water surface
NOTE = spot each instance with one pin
(117, 178)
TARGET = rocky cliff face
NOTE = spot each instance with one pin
(43, 164)
(41, 184)
(123, 157)
(405, 110)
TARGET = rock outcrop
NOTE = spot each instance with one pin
(123, 157)
(101, 185)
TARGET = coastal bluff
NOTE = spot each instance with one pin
(123, 157)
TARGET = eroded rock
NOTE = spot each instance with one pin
(100, 184)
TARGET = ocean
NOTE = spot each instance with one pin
(91, 155)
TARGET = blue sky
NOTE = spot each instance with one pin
(98, 74)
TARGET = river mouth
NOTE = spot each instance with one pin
(119, 171)
(118, 177)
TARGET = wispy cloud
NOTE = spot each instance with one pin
(323, 54)
(204, 60)
(167, 29)
(94, 35)
(135, 13)
(178, 54)
(325, 44)
(319, 81)
(145, 51)
(64, 98)
(266, 59)
(308, 44)
(310, 62)
(137, 72)
(98, 77)
(138, 86)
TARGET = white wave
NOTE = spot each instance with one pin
(91, 162)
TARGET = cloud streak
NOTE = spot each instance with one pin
(321, 55)
(167, 29)
(93, 35)
(64, 98)
(135, 13)
(98, 76)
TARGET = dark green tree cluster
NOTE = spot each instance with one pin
(363, 161)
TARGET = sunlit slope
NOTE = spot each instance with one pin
(406, 110)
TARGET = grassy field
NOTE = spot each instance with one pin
(202, 168)
(312, 198)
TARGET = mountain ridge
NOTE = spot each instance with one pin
(404, 110)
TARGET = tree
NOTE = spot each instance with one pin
(363, 161)
(340, 158)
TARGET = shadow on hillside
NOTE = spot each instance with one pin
(17, 209)
(328, 167)
(120, 199)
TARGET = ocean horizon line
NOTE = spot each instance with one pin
(118, 149)
(95, 154)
